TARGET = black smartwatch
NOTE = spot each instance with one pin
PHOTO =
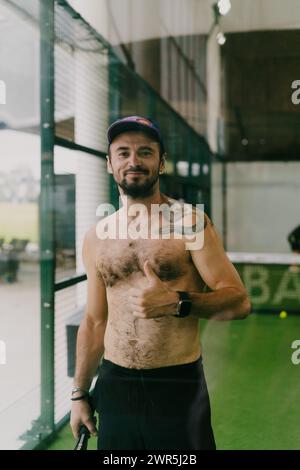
(184, 305)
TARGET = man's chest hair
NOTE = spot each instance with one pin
(118, 260)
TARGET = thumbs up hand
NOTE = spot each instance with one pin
(155, 299)
(153, 279)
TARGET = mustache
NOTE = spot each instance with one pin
(136, 170)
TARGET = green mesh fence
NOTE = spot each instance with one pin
(81, 86)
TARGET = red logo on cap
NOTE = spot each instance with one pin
(144, 121)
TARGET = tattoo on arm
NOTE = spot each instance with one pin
(172, 227)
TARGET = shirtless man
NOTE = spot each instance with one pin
(151, 391)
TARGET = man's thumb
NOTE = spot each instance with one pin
(150, 274)
(90, 424)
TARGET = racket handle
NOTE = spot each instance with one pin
(84, 433)
(82, 441)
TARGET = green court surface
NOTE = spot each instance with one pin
(253, 385)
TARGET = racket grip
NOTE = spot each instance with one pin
(84, 430)
(84, 433)
(82, 441)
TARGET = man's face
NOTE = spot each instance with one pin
(135, 163)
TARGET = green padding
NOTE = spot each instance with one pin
(272, 287)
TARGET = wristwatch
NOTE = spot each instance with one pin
(184, 305)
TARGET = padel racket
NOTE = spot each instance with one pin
(84, 433)
(82, 441)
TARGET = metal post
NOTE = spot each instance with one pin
(114, 113)
(224, 202)
(208, 191)
(221, 157)
(47, 214)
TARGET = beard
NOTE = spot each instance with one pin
(137, 189)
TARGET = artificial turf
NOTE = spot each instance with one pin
(254, 387)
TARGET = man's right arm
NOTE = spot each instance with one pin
(90, 338)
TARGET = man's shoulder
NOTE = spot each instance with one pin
(92, 235)
(190, 211)
(89, 239)
(106, 228)
(92, 241)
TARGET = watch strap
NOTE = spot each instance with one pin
(183, 295)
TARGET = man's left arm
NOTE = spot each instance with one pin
(228, 299)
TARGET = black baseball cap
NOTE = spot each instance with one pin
(135, 123)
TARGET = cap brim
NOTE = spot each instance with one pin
(121, 127)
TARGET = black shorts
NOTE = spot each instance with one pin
(165, 408)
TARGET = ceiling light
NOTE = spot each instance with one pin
(221, 38)
(224, 6)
